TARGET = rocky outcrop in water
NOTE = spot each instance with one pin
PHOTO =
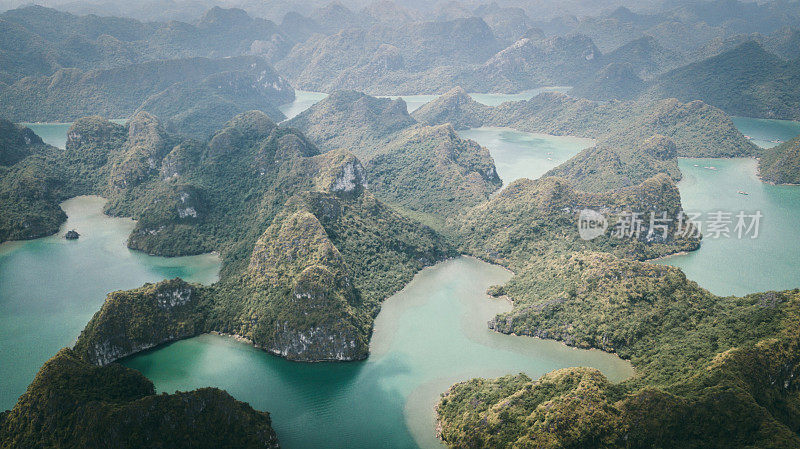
(134, 320)
(72, 235)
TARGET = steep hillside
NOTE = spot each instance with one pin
(710, 371)
(530, 63)
(422, 57)
(186, 89)
(636, 140)
(39, 41)
(781, 164)
(746, 80)
(616, 81)
(421, 168)
(30, 188)
(72, 403)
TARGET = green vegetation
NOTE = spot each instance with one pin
(16, 143)
(739, 391)
(698, 130)
(710, 371)
(201, 92)
(420, 57)
(72, 403)
(39, 41)
(236, 195)
(616, 163)
(781, 164)
(616, 81)
(746, 80)
(308, 254)
(30, 187)
(636, 140)
(529, 221)
(134, 320)
(423, 169)
(535, 61)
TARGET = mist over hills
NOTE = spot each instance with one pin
(319, 218)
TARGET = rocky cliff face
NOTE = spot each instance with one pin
(16, 143)
(144, 149)
(423, 168)
(94, 131)
(308, 275)
(135, 320)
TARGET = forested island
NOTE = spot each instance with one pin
(320, 217)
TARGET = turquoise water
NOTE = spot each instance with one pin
(519, 154)
(415, 101)
(733, 266)
(302, 100)
(767, 133)
(51, 287)
(428, 336)
(305, 99)
(55, 134)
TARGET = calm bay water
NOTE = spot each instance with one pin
(302, 100)
(733, 266)
(305, 99)
(428, 336)
(519, 154)
(51, 287)
(767, 133)
(55, 134)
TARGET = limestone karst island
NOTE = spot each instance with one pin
(400, 224)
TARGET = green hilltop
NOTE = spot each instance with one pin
(195, 95)
(424, 169)
(781, 164)
(72, 403)
(710, 371)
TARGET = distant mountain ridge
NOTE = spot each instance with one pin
(199, 93)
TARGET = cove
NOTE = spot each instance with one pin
(767, 133)
(55, 134)
(519, 154)
(732, 266)
(305, 99)
(51, 287)
(428, 336)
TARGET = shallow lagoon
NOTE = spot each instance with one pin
(51, 287)
(519, 154)
(428, 336)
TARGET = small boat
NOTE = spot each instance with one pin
(696, 165)
(747, 137)
(742, 192)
